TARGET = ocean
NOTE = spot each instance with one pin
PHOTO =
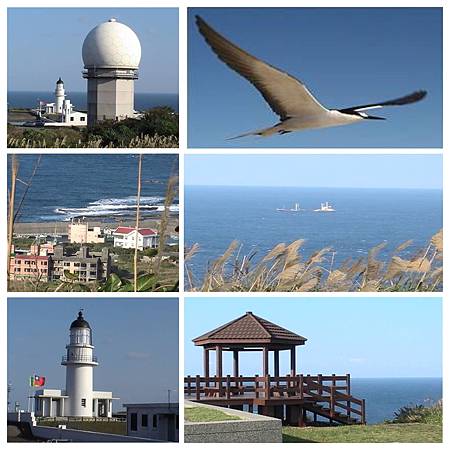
(96, 186)
(30, 99)
(214, 216)
(385, 396)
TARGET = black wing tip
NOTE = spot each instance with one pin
(199, 21)
(419, 95)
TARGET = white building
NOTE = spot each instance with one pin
(111, 56)
(64, 109)
(153, 420)
(79, 398)
(125, 237)
(79, 232)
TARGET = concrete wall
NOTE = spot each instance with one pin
(47, 433)
(250, 428)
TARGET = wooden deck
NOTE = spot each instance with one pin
(326, 396)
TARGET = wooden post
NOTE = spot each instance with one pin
(256, 386)
(206, 365)
(301, 386)
(332, 406)
(227, 392)
(265, 361)
(197, 387)
(276, 362)
(188, 385)
(236, 365)
(301, 417)
(267, 387)
(293, 363)
(320, 382)
(349, 403)
(363, 412)
(219, 361)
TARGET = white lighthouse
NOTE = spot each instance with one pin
(111, 56)
(60, 95)
(80, 362)
(79, 398)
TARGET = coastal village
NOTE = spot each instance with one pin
(85, 252)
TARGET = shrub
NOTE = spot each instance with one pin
(419, 413)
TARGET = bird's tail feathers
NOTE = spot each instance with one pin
(264, 132)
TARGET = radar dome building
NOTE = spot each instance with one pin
(79, 398)
(111, 56)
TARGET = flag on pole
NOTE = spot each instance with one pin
(37, 381)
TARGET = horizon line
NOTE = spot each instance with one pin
(317, 187)
(69, 91)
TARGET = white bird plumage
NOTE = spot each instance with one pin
(287, 96)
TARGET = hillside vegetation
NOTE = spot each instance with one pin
(157, 129)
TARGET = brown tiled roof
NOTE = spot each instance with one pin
(250, 329)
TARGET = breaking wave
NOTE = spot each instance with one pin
(114, 207)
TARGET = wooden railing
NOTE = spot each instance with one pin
(330, 395)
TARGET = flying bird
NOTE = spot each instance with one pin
(287, 96)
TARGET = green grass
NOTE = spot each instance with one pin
(100, 427)
(200, 414)
(404, 432)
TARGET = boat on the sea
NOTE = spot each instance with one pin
(296, 208)
(325, 207)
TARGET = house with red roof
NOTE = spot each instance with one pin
(126, 237)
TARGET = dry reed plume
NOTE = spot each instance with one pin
(142, 141)
(283, 270)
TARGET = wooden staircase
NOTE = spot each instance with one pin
(333, 404)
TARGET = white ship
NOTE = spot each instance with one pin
(296, 208)
(325, 207)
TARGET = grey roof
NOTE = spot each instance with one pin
(250, 329)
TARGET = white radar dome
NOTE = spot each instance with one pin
(111, 45)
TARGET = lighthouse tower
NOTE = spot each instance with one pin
(79, 362)
(111, 56)
(60, 96)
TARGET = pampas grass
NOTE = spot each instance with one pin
(282, 269)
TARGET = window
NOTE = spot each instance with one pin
(83, 402)
(155, 421)
(177, 421)
(71, 119)
(144, 421)
(133, 422)
(82, 119)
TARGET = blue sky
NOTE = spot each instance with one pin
(136, 341)
(346, 57)
(361, 171)
(366, 337)
(45, 43)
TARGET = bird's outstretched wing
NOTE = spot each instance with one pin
(410, 98)
(287, 96)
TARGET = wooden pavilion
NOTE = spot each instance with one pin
(289, 397)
